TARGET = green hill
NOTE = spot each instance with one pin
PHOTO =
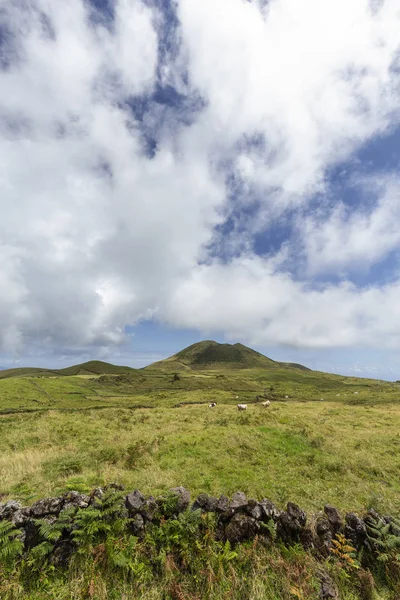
(95, 367)
(212, 355)
(24, 372)
(92, 367)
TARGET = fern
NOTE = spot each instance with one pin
(10, 545)
(344, 552)
(105, 518)
(271, 528)
(226, 555)
(383, 539)
(52, 531)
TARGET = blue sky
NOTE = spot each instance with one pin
(175, 171)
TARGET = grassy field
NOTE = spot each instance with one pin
(324, 439)
(311, 453)
(156, 388)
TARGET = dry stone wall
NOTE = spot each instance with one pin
(238, 518)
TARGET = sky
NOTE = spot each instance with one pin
(176, 170)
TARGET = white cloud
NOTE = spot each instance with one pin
(96, 235)
(353, 240)
(249, 300)
(313, 77)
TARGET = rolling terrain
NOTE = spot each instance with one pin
(325, 439)
(93, 367)
(156, 421)
(201, 373)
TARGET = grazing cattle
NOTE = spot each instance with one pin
(266, 403)
(242, 406)
(212, 405)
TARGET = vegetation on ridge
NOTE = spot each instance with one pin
(212, 355)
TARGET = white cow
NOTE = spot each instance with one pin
(212, 405)
(266, 403)
(242, 406)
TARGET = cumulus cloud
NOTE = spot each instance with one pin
(250, 301)
(349, 239)
(120, 152)
(315, 79)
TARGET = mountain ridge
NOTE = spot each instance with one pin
(209, 354)
(203, 355)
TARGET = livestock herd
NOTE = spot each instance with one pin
(243, 406)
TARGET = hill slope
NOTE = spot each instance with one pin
(92, 367)
(212, 355)
(95, 367)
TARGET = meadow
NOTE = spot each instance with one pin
(324, 439)
(309, 452)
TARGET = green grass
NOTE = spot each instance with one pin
(323, 443)
(307, 452)
(57, 432)
(157, 388)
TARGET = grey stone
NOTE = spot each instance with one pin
(334, 517)
(18, 518)
(269, 510)
(295, 513)
(322, 527)
(137, 524)
(81, 500)
(114, 486)
(355, 530)
(149, 508)
(323, 538)
(291, 523)
(307, 538)
(32, 534)
(183, 498)
(206, 503)
(47, 506)
(9, 508)
(238, 501)
(134, 501)
(241, 528)
(21, 536)
(254, 510)
(32, 537)
(223, 504)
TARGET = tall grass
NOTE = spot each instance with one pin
(309, 453)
